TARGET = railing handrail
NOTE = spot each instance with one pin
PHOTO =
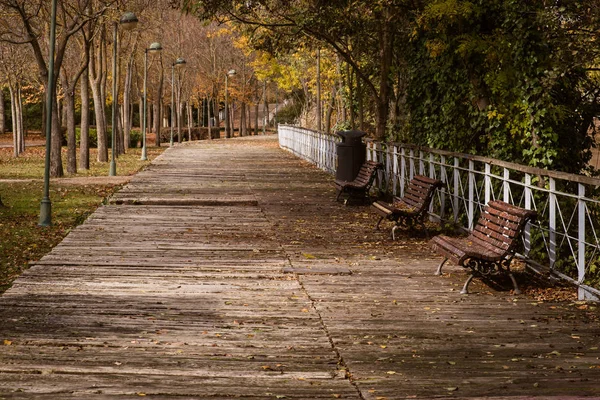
(588, 180)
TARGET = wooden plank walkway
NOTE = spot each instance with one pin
(227, 270)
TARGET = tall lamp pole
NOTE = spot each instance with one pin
(227, 127)
(178, 63)
(46, 204)
(128, 21)
(154, 47)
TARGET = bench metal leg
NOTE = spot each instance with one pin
(439, 270)
(516, 289)
(379, 222)
(465, 289)
(394, 232)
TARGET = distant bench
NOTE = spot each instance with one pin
(490, 247)
(360, 186)
(412, 208)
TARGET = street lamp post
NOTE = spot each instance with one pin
(227, 127)
(154, 47)
(178, 63)
(128, 21)
(46, 204)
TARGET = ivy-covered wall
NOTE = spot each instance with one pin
(508, 79)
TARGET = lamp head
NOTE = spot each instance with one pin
(154, 47)
(180, 62)
(231, 72)
(128, 21)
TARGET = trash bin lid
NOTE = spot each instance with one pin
(351, 136)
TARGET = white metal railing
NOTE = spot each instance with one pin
(565, 237)
(317, 147)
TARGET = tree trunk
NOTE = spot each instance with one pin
(100, 122)
(61, 110)
(179, 116)
(200, 112)
(319, 112)
(341, 114)
(2, 118)
(158, 107)
(84, 144)
(215, 109)
(232, 118)
(361, 110)
(329, 112)
(350, 96)
(242, 119)
(69, 108)
(120, 149)
(56, 168)
(265, 110)
(156, 121)
(96, 73)
(127, 105)
(140, 112)
(256, 106)
(17, 120)
(190, 120)
(13, 113)
(209, 116)
(20, 120)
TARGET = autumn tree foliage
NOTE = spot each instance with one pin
(505, 78)
(502, 78)
(25, 22)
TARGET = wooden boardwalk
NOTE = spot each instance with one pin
(227, 270)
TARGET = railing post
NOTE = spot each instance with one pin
(395, 170)
(443, 178)
(421, 163)
(506, 186)
(552, 223)
(456, 198)
(526, 231)
(319, 151)
(488, 183)
(402, 170)
(411, 163)
(471, 201)
(581, 239)
(431, 166)
(432, 176)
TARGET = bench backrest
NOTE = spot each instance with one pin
(499, 225)
(366, 174)
(420, 192)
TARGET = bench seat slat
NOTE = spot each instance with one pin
(513, 226)
(496, 231)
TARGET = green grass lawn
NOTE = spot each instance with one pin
(21, 191)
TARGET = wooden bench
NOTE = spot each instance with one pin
(490, 247)
(360, 186)
(412, 208)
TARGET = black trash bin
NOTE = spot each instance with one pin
(351, 152)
